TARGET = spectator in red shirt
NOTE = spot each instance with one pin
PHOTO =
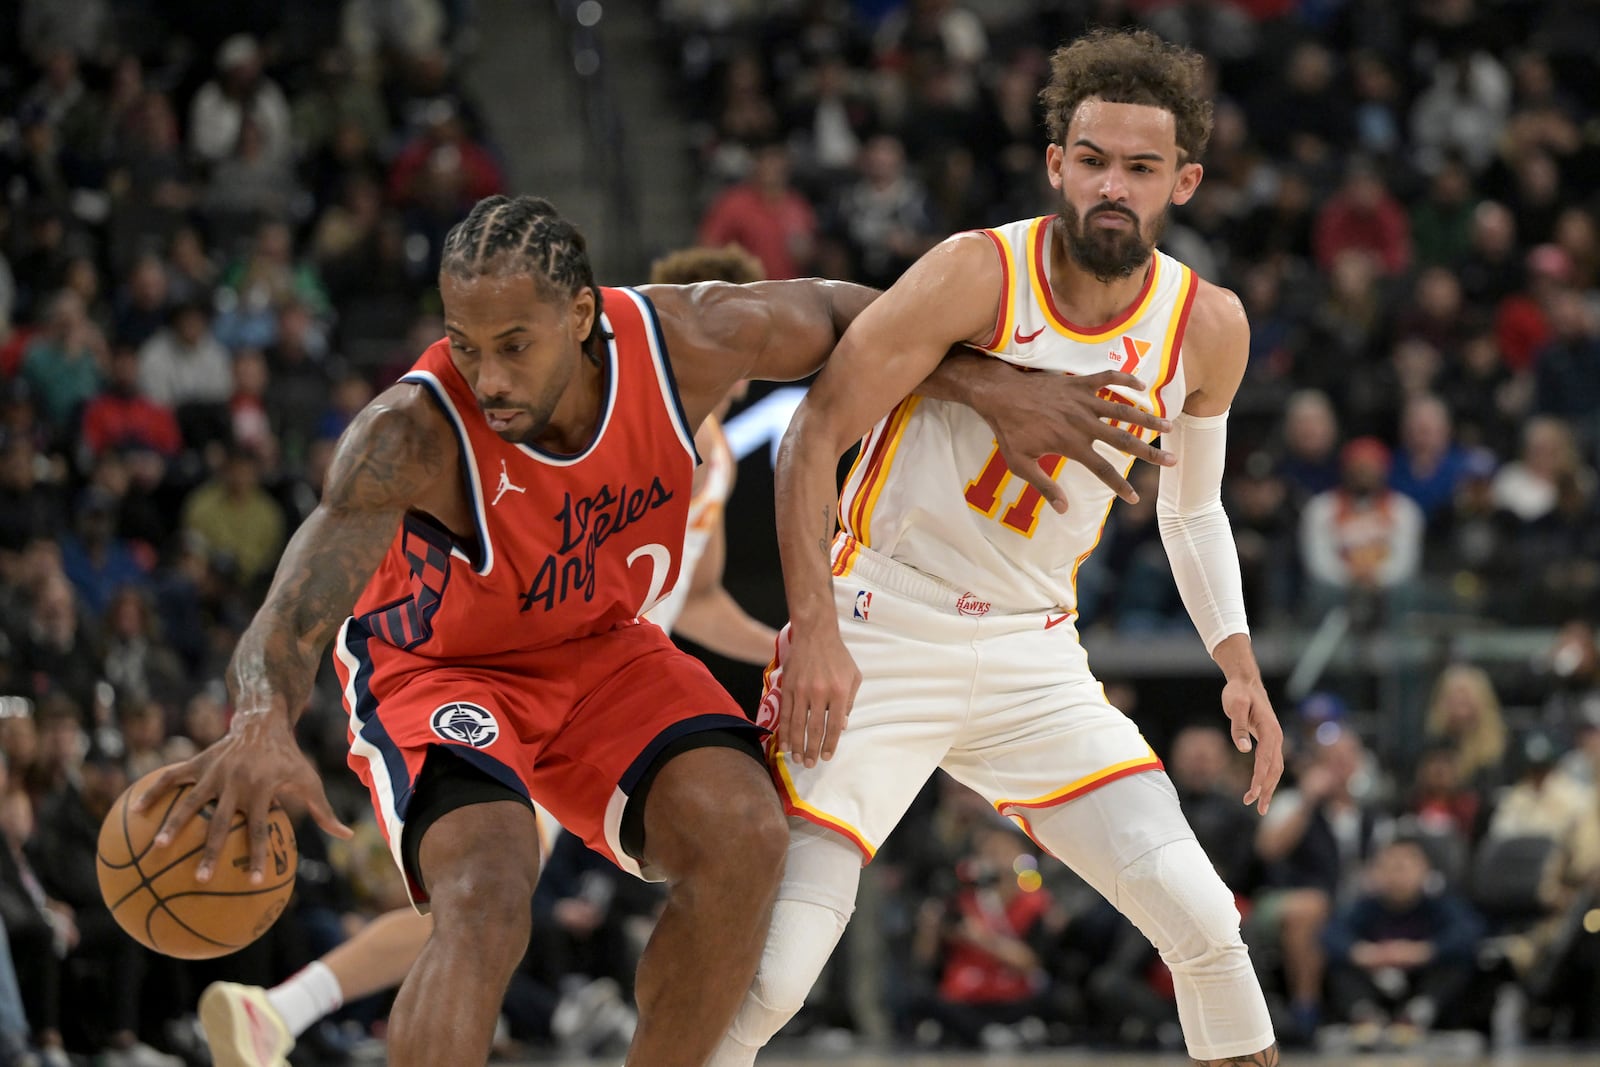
(1363, 215)
(992, 938)
(122, 417)
(1522, 321)
(766, 216)
(445, 133)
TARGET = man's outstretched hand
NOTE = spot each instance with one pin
(255, 761)
(1035, 415)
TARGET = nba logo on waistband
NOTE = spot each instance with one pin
(863, 604)
(466, 724)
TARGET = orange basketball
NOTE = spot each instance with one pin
(154, 896)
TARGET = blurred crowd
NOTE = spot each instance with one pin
(219, 229)
(219, 234)
(1403, 195)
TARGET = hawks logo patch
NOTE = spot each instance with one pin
(971, 605)
(466, 724)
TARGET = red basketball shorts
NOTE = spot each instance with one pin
(572, 728)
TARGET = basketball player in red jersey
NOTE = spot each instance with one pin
(491, 530)
(249, 1026)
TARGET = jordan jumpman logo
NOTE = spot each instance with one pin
(505, 485)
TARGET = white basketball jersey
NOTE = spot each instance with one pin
(713, 484)
(929, 488)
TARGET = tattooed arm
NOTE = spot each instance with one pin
(389, 457)
(392, 452)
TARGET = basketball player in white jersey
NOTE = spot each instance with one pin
(951, 584)
(247, 1026)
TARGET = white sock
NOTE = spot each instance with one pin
(309, 994)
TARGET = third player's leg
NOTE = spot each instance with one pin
(381, 953)
(479, 864)
(1173, 894)
(713, 826)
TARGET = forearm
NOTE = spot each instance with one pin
(1196, 534)
(715, 620)
(271, 673)
(964, 377)
(1237, 658)
(807, 502)
(319, 578)
(846, 300)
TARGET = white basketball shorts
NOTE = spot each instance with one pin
(1004, 702)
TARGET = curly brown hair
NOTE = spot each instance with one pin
(1130, 67)
(730, 263)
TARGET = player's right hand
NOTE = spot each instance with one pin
(1064, 415)
(254, 761)
(820, 680)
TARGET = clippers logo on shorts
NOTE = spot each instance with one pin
(971, 605)
(466, 724)
(863, 605)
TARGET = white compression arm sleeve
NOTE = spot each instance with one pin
(1195, 530)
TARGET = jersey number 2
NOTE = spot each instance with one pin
(660, 567)
(983, 492)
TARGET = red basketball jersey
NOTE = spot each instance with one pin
(565, 546)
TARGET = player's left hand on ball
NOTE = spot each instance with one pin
(820, 680)
(1255, 725)
(255, 760)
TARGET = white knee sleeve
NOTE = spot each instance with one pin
(814, 903)
(1175, 897)
(1130, 840)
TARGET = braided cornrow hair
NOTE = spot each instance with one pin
(525, 235)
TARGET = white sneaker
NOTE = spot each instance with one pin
(139, 1054)
(242, 1027)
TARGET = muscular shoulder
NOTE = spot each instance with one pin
(396, 449)
(1216, 345)
(712, 332)
(705, 321)
(1217, 321)
(964, 260)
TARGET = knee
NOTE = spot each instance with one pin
(486, 906)
(742, 837)
(800, 939)
(763, 840)
(1183, 906)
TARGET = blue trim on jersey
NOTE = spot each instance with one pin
(481, 556)
(682, 416)
(366, 712)
(697, 725)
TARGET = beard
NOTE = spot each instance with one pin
(522, 433)
(1109, 255)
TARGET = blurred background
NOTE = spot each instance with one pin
(219, 230)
